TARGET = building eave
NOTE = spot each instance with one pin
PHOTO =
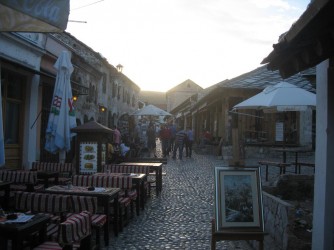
(308, 42)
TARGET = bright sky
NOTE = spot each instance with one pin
(161, 43)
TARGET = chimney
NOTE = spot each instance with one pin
(119, 68)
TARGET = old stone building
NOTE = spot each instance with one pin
(102, 93)
(213, 111)
(180, 93)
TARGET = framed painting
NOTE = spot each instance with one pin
(238, 199)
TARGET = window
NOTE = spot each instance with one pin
(104, 84)
(133, 100)
(12, 100)
(114, 89)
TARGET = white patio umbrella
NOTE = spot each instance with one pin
(280, 97)
(151, 110)
(2, 143)
(62, 114)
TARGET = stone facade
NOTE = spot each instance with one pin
(180, 93)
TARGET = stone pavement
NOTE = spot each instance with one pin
(180, 217)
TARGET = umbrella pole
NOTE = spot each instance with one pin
(62, 156)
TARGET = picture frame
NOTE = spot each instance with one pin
(238, 199)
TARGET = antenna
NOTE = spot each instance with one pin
(86, 5)
(74, 21)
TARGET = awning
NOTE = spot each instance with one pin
(34, 16)
(308, 42)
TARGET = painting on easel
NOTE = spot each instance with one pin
(238, 199)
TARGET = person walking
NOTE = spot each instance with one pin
(189, 142)
(179, 143)
(151, 139)
(116, 136)
(172, 129)
(165, 136)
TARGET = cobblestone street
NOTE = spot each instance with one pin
(180, 217)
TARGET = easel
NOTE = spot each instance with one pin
(235, 235)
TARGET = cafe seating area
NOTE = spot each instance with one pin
(74, 233)
(59, 200)
(127, 194)
(63, 171)
(21, 180)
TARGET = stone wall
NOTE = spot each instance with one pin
(279, 217)
(277, 214)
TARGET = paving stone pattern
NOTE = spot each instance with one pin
(180, 217)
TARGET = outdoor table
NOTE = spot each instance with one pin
(154, 166)
(104, 196)
(18, 232)
(5, 185)
(138, 182)
(46, 175)
(296, 151)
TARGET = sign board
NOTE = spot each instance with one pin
(34, 16)
(88, 157)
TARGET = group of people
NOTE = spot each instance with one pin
(119, 147)
(173, 140)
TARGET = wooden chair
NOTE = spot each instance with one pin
(74, 233)
(89, 203)
(122, 182)
(65, 170)
(114, 168)
(54, 205)
(22, 180)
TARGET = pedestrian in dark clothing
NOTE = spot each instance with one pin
(172, 129)
(165, 136)
(151, 139)
(179, 143)
(189, 142)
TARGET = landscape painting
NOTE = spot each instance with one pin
(238, 198)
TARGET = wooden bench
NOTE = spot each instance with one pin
(280, 165)
(65, 170)
(52, 204)
(21, 180)
(305, 164)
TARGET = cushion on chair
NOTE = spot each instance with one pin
(49, 245)
(98, 220)
(132, 194)
(49, 203)
(124, 201)
(82, 203)
(88, 203)
(70, 232)
(75, 228)
(52, 231)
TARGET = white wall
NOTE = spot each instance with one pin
(323, 211)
